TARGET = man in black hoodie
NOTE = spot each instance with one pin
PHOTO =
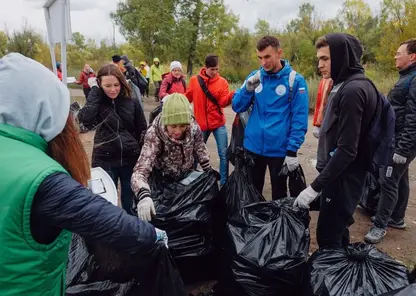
(342, 155)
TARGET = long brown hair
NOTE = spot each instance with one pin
(111, 69)
(67, 149)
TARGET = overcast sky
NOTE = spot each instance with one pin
(91, 17)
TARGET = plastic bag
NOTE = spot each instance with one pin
(359, 270)
(154, 113)
(407, 291)
(266, 250)
(239, 191)
(237, 135)
(187, 214)
(297, 183)
(95, 269)
(370, 197)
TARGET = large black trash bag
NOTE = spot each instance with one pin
(407, 291)
(371, 194)
(237, 135)
(94, 269)
(154, 113)
(266, 250)
(359, 270)
(297, 183)
(239, 191)
(188, 214)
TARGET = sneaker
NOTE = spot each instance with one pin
(375, 235)
(397, 225)
(392, 224)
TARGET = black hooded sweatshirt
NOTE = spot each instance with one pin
(349, 112)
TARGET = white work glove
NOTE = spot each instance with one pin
(305, 198)
(292, 163)
(92, 81)
(145, 209)
(398, 159)
(253, 82)
(161, 235)
(316, 131)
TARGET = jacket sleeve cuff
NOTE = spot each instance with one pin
(143, 193)
(316, 186)
(205, 166)
(291, 153)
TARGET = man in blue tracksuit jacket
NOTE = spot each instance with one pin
(279, 119)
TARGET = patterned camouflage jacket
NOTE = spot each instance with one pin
(169, 156)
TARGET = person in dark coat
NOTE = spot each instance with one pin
(342, 150)
(395, 185)
(44, 173)
(120, 122)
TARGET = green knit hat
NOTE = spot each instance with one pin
(176, 110)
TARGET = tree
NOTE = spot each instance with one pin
(27, 42)
(3, 43)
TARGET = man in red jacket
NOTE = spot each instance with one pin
(210, 94)
(83, 79)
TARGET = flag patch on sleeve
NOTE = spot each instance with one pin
(302, 90)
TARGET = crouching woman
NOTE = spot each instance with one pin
(170, 146)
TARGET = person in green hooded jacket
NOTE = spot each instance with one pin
(156, 76)
(44, 197)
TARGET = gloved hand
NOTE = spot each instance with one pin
(398, 159)
(305, 198)
(292, 163)
(161, 236)
(316, 131)
(253, 82)
(145, 209)
(92, 81)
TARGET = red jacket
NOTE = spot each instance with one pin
(177, 85)
(206, 113)
(83, 79)
(59, 73)
(324, 88)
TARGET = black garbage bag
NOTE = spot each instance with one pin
(95, 269)
(188, 214)
(237, 135)
(296, 182)
(371, 194)
(407, 291)
(239, 191)
(266, 250)
(360, 269)
(154, 113)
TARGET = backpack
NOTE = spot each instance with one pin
(379, 141)
(170, 85)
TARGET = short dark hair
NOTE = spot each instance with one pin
(410, 45)
(211, 61)
(321, 42)
(267, 41)
(116, 58)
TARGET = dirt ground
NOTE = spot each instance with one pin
(398, 243)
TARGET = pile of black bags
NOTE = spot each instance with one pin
(265, 250)
(359, 270)
(95, 269)
(186, 209)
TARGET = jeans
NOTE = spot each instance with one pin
(124, 174)
(394, 194)
(338, 203)
(258, 174)
(221, 137)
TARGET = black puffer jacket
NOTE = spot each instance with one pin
(119, 122)
(403, 99)
(62, 203)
